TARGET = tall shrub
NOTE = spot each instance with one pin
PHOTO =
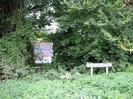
(16, 52)
(93, 31)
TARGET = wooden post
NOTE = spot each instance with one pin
(107, 70)
(91, 71)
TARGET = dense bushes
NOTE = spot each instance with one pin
(89, 31)
(95, 32)
(113, 86)
(16, 52)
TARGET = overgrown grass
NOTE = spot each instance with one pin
(113, 86)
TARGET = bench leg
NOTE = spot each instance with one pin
(91, 71)
(107, 70)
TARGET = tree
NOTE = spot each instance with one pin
(11, 14)
(95, 31)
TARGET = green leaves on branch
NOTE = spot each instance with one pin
(95, 32)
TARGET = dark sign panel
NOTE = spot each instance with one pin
(43, 52)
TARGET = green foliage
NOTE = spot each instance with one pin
(91, 31)
(113, 86)
(15, 52)
(11, 14)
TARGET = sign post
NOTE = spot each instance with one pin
(43, 52)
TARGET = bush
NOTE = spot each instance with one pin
(15, 51)
(95, 32)
(80, 69)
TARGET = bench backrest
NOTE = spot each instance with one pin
(99, 64)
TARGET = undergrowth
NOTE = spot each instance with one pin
(70, 86)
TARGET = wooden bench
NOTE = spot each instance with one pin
(98, 65)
